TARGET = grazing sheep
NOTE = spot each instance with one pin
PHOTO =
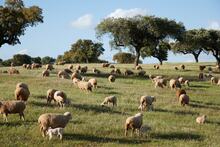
(156, 67)
(134, 122)
(159, 82)
(84, 69)
(138, 67)
(24, 65)
(128, 72)
(210, 69)
(186, 83)
(110, 99)
(84, 85)
(50, 95)
(46, 73)
(111, 78)
(146, 102)
(184, 99)
(35, 65)
(111, 66)
(28, 66)
(214, 80)
(174, 84)
(49, 67)
(116, 71)
(56, 131)
(12, 107)
(201, 119)
(13, 71)
(201, 76)
(93, 82)
(96, 71)
(181, 80)
(202, 67)
(105, 65)
(141, 73)
(75, 81)
(53, 120)
(179, 92)
(64, 75)
(78, 67)
(22, 92)
(76, 75)
(22, 85)
(70, 66)
(68, 71)
(61, 98)
(176, 68)
(151, 77)
(182, 66)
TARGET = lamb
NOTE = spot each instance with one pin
(174, 84)
(53, 120)
(49, 67)
(134, 122)
(76, 75)
(184, 99)
(214, 80)
(56, 131)
(46, 73)
(84, 69)
(61, 98)
(84, 85)
(182, 66)
(12, 107)
(138, 67)
(128, 72)
(50, 95)
(111, 78)
(96, 71)
(201, 119)
(93, 82)
(110, 99)
(64, 75)
(22, 92)
(147, 102)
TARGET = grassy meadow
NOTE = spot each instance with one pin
(93, 125)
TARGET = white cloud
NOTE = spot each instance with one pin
(214, 25)
(122, 13)
(82, 22)
(24, 51)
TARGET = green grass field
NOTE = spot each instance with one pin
(93, 125)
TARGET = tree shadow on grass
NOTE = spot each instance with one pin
(178, 112)
(96, 108)
(194, 105)
(97, 139)
(12, 124)
(213, 122)
(199, 86)
(42, 104)
(178, 136)
(39, 96)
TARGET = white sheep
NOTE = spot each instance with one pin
(110, 99)
(56, 131)
(184, 99)
(84, 85)
(174, 84)
(50, 95)
(93, 82)
(201, 119)
(22, 92)
(214, 80)
(147, 102)
(53, 120)
(61, 98)
(111, 78)
(134, 122)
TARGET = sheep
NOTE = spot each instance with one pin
(128, 72)
(84, 85)
(28, 66)
(105, 65)
(176, 68)
(147, 102)
(61, 98)
(35, 65)
(156, 67)
(141, 73)
(24, 65)
(93, 82)
(68, 71)
(184, 99)
(70, 66)
(53, 120)
(111, 78)
(210, 69)
(134, 122)
(138, 67)
(181, 80)
(49, 67)
(159, 82)
(151, 77)
(13, 71)
(182, 66)
(96, 71)
(179, 92)
(84, 69)
(75, 81)
(111, 66)
(50, 95)
(12, 107)
(116, 71)
(201, 76)
(201, 119)
(61, 63)
(76, 75)
(110, 99)
(78, 67)
(56, 131)
(62, 74)
(202, 67)
(214, 80)
(22, 92)
(46, 73)
(186, 83)
(174, 84)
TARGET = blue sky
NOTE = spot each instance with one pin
(66, 21)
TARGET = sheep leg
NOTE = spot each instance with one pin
(22, 116)
(126, 129)
(61, 136)
(132, 132)
(5, 117)
(50, 136)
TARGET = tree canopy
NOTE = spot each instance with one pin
(83, 51)
(141, 33)
(15, 18)
(123, 57)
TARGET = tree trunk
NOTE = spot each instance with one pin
(216, 55)
(196, 57)
(161, 62)
(137, 58)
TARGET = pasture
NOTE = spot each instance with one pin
(93, 125)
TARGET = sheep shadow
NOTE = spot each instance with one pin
(194, 105)
(39, 96)
(178, 136)
(12, 124)
(213, 122)
(40, 104)
(178, 112)
(208, 103)
(96, 108)
(97, 139)
(199, 86)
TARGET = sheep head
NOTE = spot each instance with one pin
(68, 114)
